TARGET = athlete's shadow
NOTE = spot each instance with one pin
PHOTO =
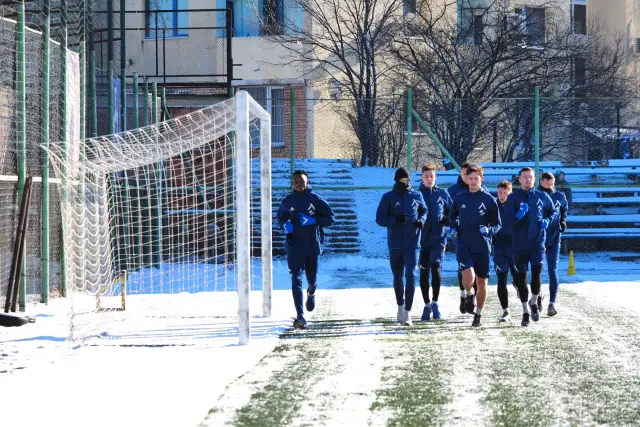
(342, 328)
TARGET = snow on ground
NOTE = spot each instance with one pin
(150, 364)
(154, 368)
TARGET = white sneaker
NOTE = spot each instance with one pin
(401, 314)
(407, 318)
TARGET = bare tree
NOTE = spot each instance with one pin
(345, 42)
(469, 59)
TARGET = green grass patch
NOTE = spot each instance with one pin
(415, 389)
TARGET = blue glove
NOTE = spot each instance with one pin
(306, 219)
(484, 230)
(454, 231)
(288, 227)
(544, 224)
(524, 208)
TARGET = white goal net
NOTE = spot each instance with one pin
(154, 216)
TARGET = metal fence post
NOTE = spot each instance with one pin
(537, 132)
(409, 125)
(21, 107)
(44, 130)
(123, 65)
(293, 128)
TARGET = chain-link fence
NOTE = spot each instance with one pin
(592, 146)
(40, 102)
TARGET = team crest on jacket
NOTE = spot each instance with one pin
(311, 209)
(482, 209)
(557, 204)
(540, 203)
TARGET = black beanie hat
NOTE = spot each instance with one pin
(401, 173)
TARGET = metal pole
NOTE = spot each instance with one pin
(110, 106)
(44, 126)
(158, 175)
(409, 125)
(83, 76)
(495, 142)
(243, 255)
(136, 102)
(92, 77)
(64, 132)
(145, 103)
(123, 65)
(266, 216)
(292, 101)
(435, 139)
(229, 16)
(537, 132)
(21, 106)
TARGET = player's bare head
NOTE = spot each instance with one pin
(300, 180)
(527, 178)
(429, 175)
(548, 181)
(463, 171)
(504, 189)
(475, 176)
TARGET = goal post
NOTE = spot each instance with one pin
(173, 207)
(244, 105)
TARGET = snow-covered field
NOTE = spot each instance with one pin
(173, 360)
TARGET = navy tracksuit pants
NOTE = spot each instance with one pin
(299, 264)
(553, 256)
(403, 266)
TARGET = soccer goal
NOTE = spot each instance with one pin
(154, 216)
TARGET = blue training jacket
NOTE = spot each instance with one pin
(468, 212)
(503, 238)
(526, 231)
(438, 204)
(396, 202)
(560, 203)
(305, 240)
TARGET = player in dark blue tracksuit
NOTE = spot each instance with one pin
(474, 220)
(403, 212)
(528, 213)
(434, 240)
(303, 214)
(502, 243)
(552, 242)
(459, 187)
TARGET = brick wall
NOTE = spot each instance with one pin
(301, 117)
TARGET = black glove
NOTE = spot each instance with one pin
(418, 224)
(563, 225)
(402, 218)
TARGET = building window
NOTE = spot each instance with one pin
(579, 19)
(536, 29)
(272, 100)
(478, 29)
(410, 6)
(580, 77)
(471, 29)
(272, 17)
(165, 18)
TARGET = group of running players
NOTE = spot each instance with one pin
(518, 229)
